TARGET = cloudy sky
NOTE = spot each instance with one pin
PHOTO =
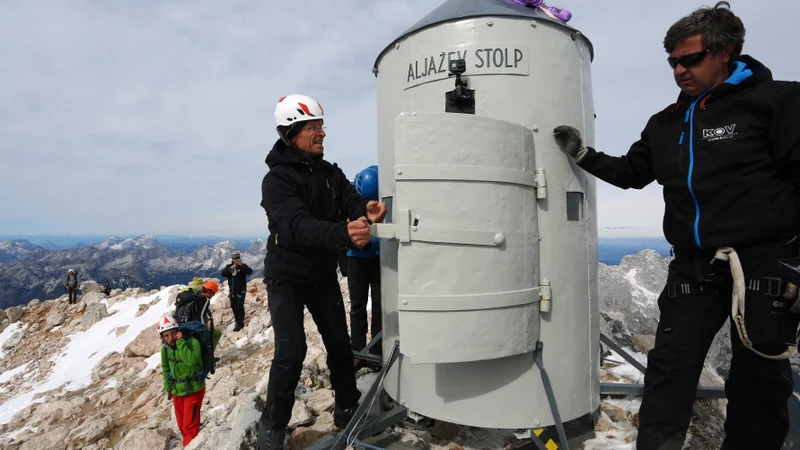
(155, 116)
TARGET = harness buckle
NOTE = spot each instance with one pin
(776, 283)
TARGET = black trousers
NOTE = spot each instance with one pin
(286, 302)
(363, 275)
(237, 306)
(757, 388)
(73, 294)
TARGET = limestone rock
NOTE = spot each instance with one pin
(616, 414)
(146, 344)
(321, 401)
(90, 431)
(92, 297)
(301, 415)
(15, 339)
(54, 318)
(643, 343)
(304, 437)
(146, 439)
(54, 439)
(95, 312)
(108, 398)
(15, 313)
(91, 286)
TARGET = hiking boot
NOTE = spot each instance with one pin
(237, 327)
(342, 416)
(270, 438)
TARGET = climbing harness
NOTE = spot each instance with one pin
(738, 303)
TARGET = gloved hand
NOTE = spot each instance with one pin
(792, 294)
(569, 138)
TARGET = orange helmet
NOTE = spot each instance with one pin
(211, 286)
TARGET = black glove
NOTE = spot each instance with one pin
(569, 138)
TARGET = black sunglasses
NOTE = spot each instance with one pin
(688, 60)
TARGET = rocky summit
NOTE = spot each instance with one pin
(88, 376)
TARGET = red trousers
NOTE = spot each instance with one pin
(187, 413)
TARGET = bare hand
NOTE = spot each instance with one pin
(359, 232)
(376, 211)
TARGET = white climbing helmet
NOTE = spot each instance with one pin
(297, 108)
(167, 323)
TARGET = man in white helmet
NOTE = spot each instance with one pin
(308, 202)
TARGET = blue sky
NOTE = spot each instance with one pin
(155, 116)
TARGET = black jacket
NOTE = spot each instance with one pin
(307, 201)
(237, 283)
(729, 161)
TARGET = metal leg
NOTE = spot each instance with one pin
(371, 428)
(638, 389)
(622, 353)
(341, 440)
(373, 341)
(366, 355)
(551, 398)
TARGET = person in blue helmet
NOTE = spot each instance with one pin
(364, 276)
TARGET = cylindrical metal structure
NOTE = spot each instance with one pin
(490, 243)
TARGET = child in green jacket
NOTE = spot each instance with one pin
(181, 359)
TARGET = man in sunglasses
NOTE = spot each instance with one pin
(727, 154)
(308, 202)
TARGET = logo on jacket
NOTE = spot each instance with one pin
(719, 134)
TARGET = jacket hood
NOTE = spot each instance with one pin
(282, 154)
(744, 71)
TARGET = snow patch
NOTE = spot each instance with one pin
(640, 294)
(72, 369)
(6, 335)
(112, 383)
(9, 374)
(263, 337)
(151, 363)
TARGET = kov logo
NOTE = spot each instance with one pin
(719, 134)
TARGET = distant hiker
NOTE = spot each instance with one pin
(236, 272)
(71, 285)
(727, 153)
(193, 303)
(364, 276)
(181, 360)
(307, 201)
(107, 289)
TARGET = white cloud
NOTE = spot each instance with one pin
(129, 117)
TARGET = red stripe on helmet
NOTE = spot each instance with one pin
(305, 109)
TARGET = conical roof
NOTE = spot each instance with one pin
(452, 10)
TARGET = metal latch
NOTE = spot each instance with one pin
(400, 231)
(541, 184)
(545, 296)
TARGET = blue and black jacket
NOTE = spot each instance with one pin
(728, 161)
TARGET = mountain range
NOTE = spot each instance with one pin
(35, 267)
(29, 271)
